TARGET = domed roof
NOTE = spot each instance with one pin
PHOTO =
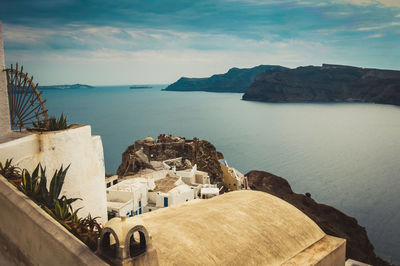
(257, 226)
(148, 139)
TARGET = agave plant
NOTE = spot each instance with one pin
(49, 197)
(31, 184)
(59, 124)
(52, 124)
(9, 171)
(88, 230)
(63, 212)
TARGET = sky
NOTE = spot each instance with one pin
(122, 42)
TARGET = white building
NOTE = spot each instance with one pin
(129, 197)
(190, 176)
(111, 180)
(150, 190)
(209, 191)
(170, 190)
(119, 203)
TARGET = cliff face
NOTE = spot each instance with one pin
(329, 83)
(144, 154)
(235, 80)
(329, 219)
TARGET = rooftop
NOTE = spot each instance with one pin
(165, 184)
(262, 230)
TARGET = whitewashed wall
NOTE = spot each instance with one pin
(76, 146)
(4, 111)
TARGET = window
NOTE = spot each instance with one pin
(115, 182)
(108, 184)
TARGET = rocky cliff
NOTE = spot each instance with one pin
(148, 153)
(329, 219)
(329, 83)
(235, 80)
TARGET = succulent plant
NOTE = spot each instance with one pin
(9, 171)
(31, 184)
(88, 230)
(52, 124)
(34, 185)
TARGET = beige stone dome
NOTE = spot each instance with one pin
(242, 227)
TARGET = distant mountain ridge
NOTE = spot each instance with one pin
(326, 83)
(235, 80)
(65, 87)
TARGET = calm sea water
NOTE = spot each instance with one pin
(345, 155)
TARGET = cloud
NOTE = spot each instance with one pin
(382, 3)
(238, 32)
(172, 54)
(373, 36)
(379, 27)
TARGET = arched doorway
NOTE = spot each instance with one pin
(109, 245)
(137, 243)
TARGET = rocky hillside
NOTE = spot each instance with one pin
(329, 83)
(235, 80)
(329, 219)
(148, 153)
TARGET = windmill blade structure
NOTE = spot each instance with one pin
(25, 101)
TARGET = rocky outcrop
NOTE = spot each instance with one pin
(143, 153)
(329, 83)
(329, 219)
(235, 80)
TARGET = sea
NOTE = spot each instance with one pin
(345, 154)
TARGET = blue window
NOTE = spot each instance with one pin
(131, 213)
(140, 203)
(165, 201)
(127, 214)
(140, 210)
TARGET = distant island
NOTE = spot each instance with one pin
(326, 83)
(140, 87)
(65, 87)
(235, 80)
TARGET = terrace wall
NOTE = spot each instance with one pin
(32, 237)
